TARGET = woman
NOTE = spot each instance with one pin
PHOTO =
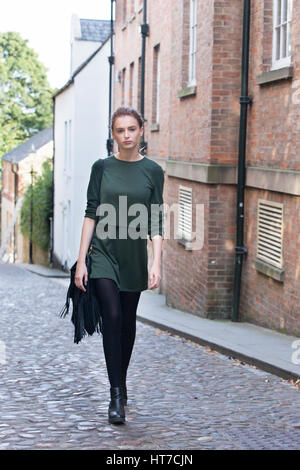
(119, 262)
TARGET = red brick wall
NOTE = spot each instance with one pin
(264, 300)
(190, 118)
(186, 271)
(273, 142)
(273, 131)
(128, 44)
(191, 129)
(205, 128)
(226, 69)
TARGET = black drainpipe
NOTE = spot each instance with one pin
(51, 218)
(240, 249)
(144, 33)
(111, 60)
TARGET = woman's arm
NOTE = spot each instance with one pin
(155, 271)
(155, 227)
(86, 237)
(93, 200)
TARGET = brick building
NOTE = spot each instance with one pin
(17, 165)
(192, 89)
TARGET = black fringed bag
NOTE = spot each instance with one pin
(86, 315)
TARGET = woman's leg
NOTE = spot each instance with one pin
(118, 309)
(111, 310)
(129, 303)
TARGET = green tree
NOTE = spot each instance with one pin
(26, 105)
(42, 208)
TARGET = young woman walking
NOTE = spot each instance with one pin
(120, 262)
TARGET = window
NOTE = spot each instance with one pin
(67, 148)
(185, 212)
(282, 10)
(123, 86)
(139, 84)
(156, 84)
(193, 42)
(270, 232)
(124, 11)
(131, 86)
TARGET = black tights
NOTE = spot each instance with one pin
(118, 309)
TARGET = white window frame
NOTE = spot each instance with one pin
(157, 83)
(283, 29)
(67, 147)
(132, 71)
(123, 90)
(125, 11)
(193, 43)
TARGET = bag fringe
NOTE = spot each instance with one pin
(86, 314)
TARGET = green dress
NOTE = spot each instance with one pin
(120, 256)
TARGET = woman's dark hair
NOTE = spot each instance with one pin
(126, 111)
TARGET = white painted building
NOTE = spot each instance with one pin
(86, 36)
(80, 135)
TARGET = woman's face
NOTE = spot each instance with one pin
(127, 132)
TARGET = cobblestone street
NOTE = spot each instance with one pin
(54, 394)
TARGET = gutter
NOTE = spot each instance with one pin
(53, 180)
(245, 100)
(111, 60)
(144, 33)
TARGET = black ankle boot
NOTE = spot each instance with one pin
(116, 411)
(124, 394)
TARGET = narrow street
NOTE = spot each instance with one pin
(54, 394)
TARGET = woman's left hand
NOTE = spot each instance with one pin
(154, 276)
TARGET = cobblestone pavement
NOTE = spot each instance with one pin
(54, 394)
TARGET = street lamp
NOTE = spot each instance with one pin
(15, 172)
(31, 209)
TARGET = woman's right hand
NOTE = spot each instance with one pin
(81, 274)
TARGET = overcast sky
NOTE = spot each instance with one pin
(47, 26)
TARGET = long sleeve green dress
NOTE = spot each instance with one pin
(120, 256)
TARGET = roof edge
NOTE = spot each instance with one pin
(80, 67)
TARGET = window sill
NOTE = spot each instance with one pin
(154, 127)
(184, 242)
(131, 18)
(275, 75)
(187, 91)
(124, 26)
(269, 270)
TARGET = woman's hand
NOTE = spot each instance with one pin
(154, 276)
(80, 273)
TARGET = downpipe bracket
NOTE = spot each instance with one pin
(241, 250)
(246, 99)
(145, 29)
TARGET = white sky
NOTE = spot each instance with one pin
(47, 26)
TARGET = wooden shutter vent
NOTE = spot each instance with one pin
(270, 232)
(185, 212)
